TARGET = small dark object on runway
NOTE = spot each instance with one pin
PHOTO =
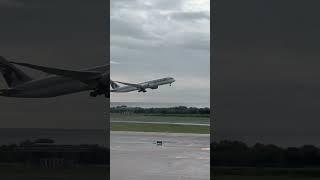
(159, 143)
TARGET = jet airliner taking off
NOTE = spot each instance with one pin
(141, 87)
(59, 82)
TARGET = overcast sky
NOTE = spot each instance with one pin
(158, 38)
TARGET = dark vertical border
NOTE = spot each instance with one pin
(212, 76)
(107, 43)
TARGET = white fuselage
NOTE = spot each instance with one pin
(146, 85)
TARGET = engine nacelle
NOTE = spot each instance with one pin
(153, 87)
(104, 80)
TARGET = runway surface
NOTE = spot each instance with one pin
(136, 156)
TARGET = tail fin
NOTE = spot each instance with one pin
(12, 75)
(114, 85)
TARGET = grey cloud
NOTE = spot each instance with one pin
(189, 16)
(150, 45)
(167, 4)
(146, 4)
(129, 43)
(196, 42)
(136, 28)
(130, 29)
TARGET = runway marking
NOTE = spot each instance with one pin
(205, 149)
(203, 158)
(170, 123)
(198, 158)
(181, 157)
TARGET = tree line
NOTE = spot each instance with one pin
(236, 153)
(29, 151)
(168, 110)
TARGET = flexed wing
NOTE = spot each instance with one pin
(138, 86)
(83, 76)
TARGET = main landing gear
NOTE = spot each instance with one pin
(142, 90)
(94, 94)
(99, 92)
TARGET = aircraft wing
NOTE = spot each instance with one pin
(129, 84)
(78, 75)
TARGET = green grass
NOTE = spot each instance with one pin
(160, 128)
(195, 118)
(172, 118)
(180, 115)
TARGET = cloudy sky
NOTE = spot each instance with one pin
(158, 38)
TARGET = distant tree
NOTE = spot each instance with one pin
(169, 110)
(235, 153)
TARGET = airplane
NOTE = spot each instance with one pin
(58, 82)
(140, 87)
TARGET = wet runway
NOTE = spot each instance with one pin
(136, 156)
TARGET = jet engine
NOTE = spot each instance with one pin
(154, 87)
(102, 86)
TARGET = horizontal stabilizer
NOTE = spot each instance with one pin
(12, 75)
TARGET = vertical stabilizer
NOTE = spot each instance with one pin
(12, 75)
(114, 85)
